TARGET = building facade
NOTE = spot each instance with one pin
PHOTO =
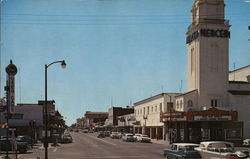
(147, 114)
(209, 88)
(114, 112)
(93, 119)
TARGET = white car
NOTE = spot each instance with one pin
(136, 136)
(246, 142)
(115, 135)
(219, 149)
(143, 138)
(128, 137)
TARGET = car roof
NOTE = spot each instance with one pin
(185, 144)
(206, 143)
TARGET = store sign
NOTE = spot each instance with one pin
(213, 117)
(175, 118)
(220, 33)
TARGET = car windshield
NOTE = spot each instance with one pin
(123, 79)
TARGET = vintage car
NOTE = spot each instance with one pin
(101, 134)
(246, 142)
(66, 138)
(128, 137)
(219, 149)
(182, 151)
(136, 136)
(9, 145)
(115, 135)
(143, 138)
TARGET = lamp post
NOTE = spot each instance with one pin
(169, 122)
(63, 64)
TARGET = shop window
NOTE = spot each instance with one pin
(160, 107)
(214, 103)
(181, 105)
(205, 134)
(190, 103)
(182, 135)
(233, 134)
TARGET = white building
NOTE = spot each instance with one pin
(148, 112)
(209, 82)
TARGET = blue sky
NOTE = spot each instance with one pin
(124, 50)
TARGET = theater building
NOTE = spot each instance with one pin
(214, 104)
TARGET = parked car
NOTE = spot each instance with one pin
(136, 136)
(246, 142)
(143, 138)
(85, 130)
(25, 138)
(22, 147)
(182, 151)
(107, 133)
(115, 135)
(66, 138)
(101, 134)
(91, 131)
(219, 149)
(128, 137)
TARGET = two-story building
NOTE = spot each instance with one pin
(148, 112)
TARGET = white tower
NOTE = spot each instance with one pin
(207, 42)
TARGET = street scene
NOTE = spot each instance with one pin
(87, 145)
(113, 79)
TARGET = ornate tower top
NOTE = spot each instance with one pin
(11, 69)
(208, 12)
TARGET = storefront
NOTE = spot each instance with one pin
(212, 124)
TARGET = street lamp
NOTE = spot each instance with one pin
(63, 64)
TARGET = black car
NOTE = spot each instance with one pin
(25, 138)
(101, 134)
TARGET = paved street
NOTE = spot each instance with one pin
(88, 146)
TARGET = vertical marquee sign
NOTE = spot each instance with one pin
(11, 70)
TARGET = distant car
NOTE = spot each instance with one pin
(107, 133)
(143, 138)
(115, 135)
(76, 130)
(136, 136)
(85, 130)
(246, 142)
(101, 134)
(22, 147)
(182, 151)
(90, 131)
(65, 139)
(128, 137)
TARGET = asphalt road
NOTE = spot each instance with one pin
(88, 146)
